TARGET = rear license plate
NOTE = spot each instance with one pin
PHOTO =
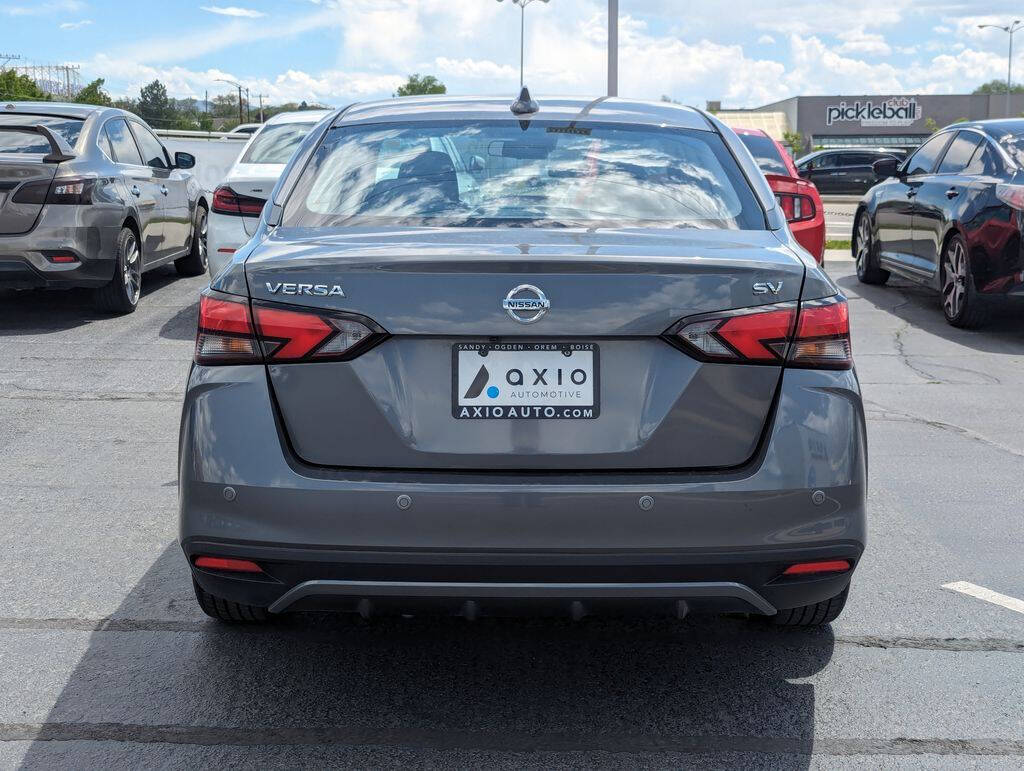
(545, 381)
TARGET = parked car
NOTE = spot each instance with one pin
(239, 199)
(841, 171)
(797, 197)
(89, 197)
(950, 217)
(246, 128)
(604, 375)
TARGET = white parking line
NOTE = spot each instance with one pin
(1005, 600)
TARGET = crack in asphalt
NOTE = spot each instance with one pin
(898, 416)
(949, 644)
(20, 393)
(265, 736)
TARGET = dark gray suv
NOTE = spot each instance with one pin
(592, 373)
(89, 197)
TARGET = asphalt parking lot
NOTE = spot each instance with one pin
(107, 661)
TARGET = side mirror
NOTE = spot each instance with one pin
(885, 167)
(184, 160)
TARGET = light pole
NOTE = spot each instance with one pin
(240, 87)
(613, 47)
(1008, 29)
(522, 31)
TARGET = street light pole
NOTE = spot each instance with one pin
(240, 87)
(522, 32)
(613, 47)
(1009, 29)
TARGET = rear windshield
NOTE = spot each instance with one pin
(766, 153)
(31, 142)
(534, 173)
(1014, 146)
(276, 143)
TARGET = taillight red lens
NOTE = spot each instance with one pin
(823, 335)
(796, 208)
(225, 334)
(227, 201)
(812, 334)
(289, 334)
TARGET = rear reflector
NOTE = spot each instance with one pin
(62, 258)
(229, 564)
(807, 568)
(812, 334)
(225, 334)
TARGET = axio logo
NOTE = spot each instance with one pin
(316, 290)
(767, 287)
(477, 386)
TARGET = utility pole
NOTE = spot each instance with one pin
(239, 86)
(613, 47)
(7, 58)
(260, 97)
(248, 114)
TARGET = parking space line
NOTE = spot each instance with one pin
(980, 592)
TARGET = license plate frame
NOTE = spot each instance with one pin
(559, 408)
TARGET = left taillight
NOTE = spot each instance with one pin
(233, 332)
(69, 192)
(814, 334)
(796, 207)
(226, 334)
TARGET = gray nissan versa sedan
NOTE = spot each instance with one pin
(594, 373)
(89, 197)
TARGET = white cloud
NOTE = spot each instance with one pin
(43, 8)
(232, 10)
(857, 41)
(76, 24)
(474, 68)
(766, 40)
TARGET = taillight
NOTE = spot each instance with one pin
(228, 564)
(225, 333)
(289, 334)
(1012, 195)
(73, 192)
(813, 334)
(227, 201)
(795, 207)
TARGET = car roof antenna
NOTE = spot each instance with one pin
(525, 104)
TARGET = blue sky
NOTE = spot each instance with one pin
(743, 52)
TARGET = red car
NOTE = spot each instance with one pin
(798, 198)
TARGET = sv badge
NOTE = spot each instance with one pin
(317, 290)
(767, 287)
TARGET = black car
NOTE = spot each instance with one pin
(950, 217)
(843, 171)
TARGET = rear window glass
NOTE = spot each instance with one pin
(276, 143)
(766, 153)
(543, 174)
(31, 142)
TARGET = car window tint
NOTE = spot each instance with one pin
(30, 141)
(547, 174)
(923, 161)
(960, 152)
(104, 144)
(983, 162)
(276, 143)
(827, 161)
(861, 159)
(125, 150)
(152, 150)
(766, 153)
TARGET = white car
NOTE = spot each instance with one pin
(238, 201)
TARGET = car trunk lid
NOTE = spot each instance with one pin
(24, 181)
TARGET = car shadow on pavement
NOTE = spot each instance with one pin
(182, 325)
(159, 679)
(44, 311)
(921, 307)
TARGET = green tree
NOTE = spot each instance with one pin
(154, 105)
(931, 126)
(94, 93)
(998, 87)
(22, 87)
(795, 141)
(415, 85)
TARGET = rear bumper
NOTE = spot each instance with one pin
(224, 236)
(24, 258)
(331, 538)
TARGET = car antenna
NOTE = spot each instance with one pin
(525, 104)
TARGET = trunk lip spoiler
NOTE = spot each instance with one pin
(60, 150)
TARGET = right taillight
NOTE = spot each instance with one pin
(227, 201)
(813, 334)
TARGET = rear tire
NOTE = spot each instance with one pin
(121, 294)
(962, 305)
(228, 611)
(865, 253)
(196, 262)
(818, 614)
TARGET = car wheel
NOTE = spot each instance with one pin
(961, 304)
(196, 261)
(824, 612)
(865, 253)
(226, 610)
(121, 293)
